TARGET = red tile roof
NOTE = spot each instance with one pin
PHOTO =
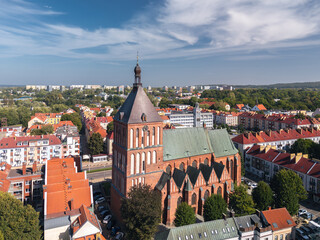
(4, 182)
(94, 127)
(11, 142)
(279, 218)
(110, 135)
(66, 189)
(239, 106)
(271, 136)
(261, 107)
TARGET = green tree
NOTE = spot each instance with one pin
(243, 168)
(241, 202)
(184, 215)
(46, 129)
(304, 146)
(141, 212)
(214, 207)
(1, 236)
(95, 144)
(262, 195)
(75, 118)
(288, 190)
(110, 127)
(18, 221)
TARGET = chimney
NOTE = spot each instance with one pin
(24, 168)
(34, 167)
(269, 208)
(232, 213)
(305, 155)
(261, 148)
(224, 216)
(267, 148)
(298, 157)
(71, 204)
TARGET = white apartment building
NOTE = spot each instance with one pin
(231, 119)
(19, 150)
(70, 140)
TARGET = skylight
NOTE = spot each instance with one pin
(289, 221)
(275, 225)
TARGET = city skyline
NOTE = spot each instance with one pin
(179, 42)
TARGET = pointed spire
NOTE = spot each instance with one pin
(137, 73)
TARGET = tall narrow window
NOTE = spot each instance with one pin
(142, 138)
(137, 138)
(231, 169)
(131, 138)
(148, 138)
(138, 163)
(115, 158)
(143, 160)
(132, 164)
(158, 136)
(149, 158)
(154, 157)
(123, 163)
(153, 133)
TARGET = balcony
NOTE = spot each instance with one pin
(312, 183)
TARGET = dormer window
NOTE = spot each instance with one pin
(143, 117)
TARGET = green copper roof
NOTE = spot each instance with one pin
(188, 142)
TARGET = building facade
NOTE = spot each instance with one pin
(186, 164)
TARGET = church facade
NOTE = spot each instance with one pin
(186, 164)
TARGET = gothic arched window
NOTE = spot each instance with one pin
(194, 163)
(181, 166)
(193, 199)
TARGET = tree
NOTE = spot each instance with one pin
(214, 207)
(241, 202)
(262, 195)
(304, 146)
(288, 190)
(75, 118)
(18, 221)
(95, 144)
(184, 215)
(101, 114)
(141, 212)
(46, 129)
(243, 168)
(110, 127)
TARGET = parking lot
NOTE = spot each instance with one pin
(110, 228)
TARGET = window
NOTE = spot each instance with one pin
(27, 182)
(149, 158)
(153, 133)
(194, 199)
(181, 167)
(206, 161)
(219, 190)
(194, 163)
(168, 169)
(27, 190)
(158, 136)
(206, 195)
(143, 162)
(131, 138)
(137, 137)
(132, 164)
(142, 138)
(138, 163)
(148, 138)
(179, 201)
(154, 157)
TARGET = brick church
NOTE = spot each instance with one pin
(186, 164)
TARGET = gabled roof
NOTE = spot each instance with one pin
(11, 142)
(162, 181)
(193, 174)
(188, 142)
(86, 216)
(136, 104)
(278, 218)
(218, 168)
(206, 171)
(178, 177)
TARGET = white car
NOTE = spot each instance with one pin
(100, 200)
(254, 185)
(302, 211)
(107, 219)
(119, 236)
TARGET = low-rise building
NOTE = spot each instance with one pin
(281, 139)
(265, 162)
(282, 224)
(11, 130)
(99, 158)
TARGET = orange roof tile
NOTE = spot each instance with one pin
(279, 218)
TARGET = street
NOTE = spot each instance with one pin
(99, 176)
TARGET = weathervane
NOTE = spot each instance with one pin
(137, 57)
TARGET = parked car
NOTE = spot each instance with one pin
(104, 212)
(302, 211)
(114, 230)
(97, 193)
(111, 223)
(119, 236)
(307, 215)
(106, 219)
(101, 207)
(254, 185)
(96, 197)
(100, 200)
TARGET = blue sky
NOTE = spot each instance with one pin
(180, 42)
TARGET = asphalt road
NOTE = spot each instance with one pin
(99, 175)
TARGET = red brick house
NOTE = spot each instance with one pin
(183, 164)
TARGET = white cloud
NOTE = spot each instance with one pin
(178, 28)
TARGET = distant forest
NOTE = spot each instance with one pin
(282, 99)
(301, 85)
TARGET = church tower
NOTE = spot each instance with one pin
(137, 146)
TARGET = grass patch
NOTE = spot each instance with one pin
(107, 187)
(99, 170)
